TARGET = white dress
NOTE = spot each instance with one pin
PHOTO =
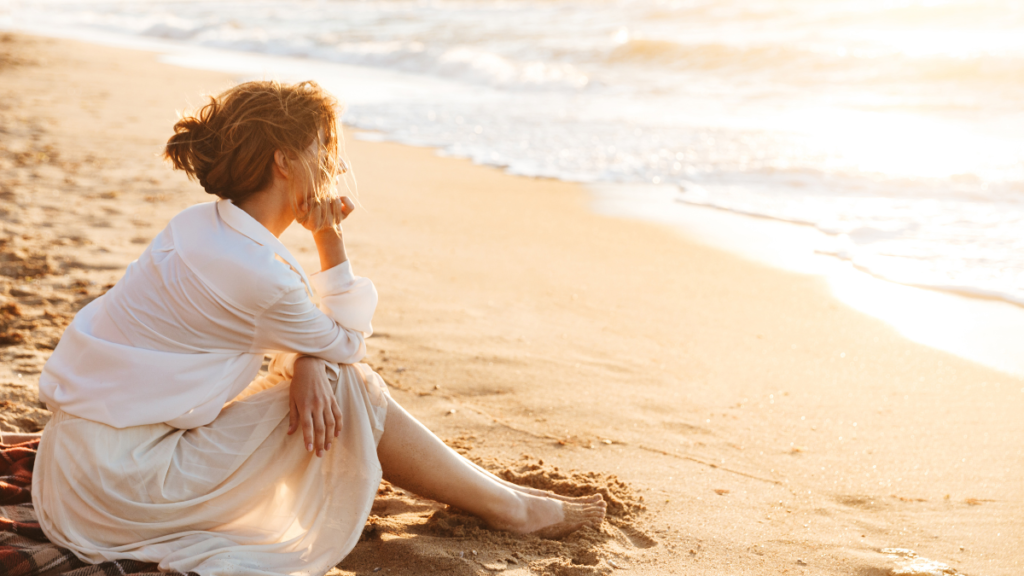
(142, 458)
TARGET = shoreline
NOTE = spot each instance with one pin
(768, 427)
(979, 328)
(984, 329)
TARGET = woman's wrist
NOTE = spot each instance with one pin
(331, 245)
(303, 359)
(307, 362)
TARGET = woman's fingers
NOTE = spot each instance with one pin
(347, 206)
(336, 211)
(316, 215)
(318, 432)
(293, 417)
(307, 429)
(328, 426)
(313, 217)
(304, 212)
(317, 425)
(337, 416)
(323, 216)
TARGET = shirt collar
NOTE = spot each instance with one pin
(243, 223)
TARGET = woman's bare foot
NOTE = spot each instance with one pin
(538, 491)
(549, 517)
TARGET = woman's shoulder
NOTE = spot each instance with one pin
(240, 268)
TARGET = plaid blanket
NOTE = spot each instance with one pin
(24, 550)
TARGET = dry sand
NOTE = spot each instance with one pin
(743, 420)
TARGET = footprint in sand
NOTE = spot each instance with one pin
(631, 537)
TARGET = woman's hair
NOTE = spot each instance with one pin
(228, 145)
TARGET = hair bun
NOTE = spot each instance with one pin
(194, 147)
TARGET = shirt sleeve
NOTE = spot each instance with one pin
(336, 331)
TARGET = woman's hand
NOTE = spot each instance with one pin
(323, 219)
(313, 405)
(318, 216)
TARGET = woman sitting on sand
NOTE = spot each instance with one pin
(162, 446)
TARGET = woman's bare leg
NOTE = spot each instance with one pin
(414, 459)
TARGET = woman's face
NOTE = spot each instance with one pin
(309, 172)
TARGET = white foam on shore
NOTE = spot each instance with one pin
(987, 331)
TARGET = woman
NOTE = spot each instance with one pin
(162, 446)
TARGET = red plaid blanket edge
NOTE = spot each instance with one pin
(24, 549)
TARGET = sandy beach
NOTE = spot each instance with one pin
(739, 418)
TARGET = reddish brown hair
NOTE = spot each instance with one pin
(228, 145)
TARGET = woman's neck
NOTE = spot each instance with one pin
(270, 207)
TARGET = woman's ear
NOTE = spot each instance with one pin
(281, 163)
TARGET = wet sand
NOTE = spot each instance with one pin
(746, 421)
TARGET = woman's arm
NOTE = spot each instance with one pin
(330, 243)
(336, 330)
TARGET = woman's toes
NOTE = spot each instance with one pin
(584, 511)
(557, 516)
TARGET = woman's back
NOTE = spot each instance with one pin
(199, 287)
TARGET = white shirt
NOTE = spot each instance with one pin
(185, 330)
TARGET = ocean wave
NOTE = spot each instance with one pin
(463, 63)
(792, 63)
(466, 61)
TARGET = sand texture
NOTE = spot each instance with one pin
(739, 419)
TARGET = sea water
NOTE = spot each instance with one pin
(893, 129)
